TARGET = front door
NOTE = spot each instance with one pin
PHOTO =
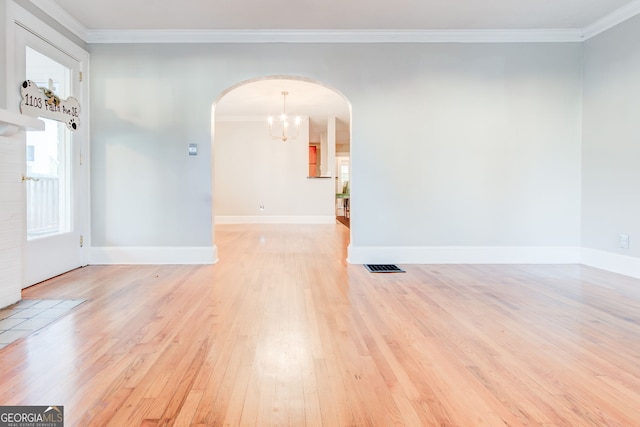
(55, 193)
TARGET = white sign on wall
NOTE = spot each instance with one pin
(42, 102)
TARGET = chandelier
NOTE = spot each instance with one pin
(282, 125)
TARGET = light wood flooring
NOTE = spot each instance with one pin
(283, 332)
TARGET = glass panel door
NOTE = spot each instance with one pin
(48, 189)
(55, 180)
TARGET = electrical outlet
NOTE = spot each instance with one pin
(623, 241)
(261, 207)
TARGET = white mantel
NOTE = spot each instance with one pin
(12, 150)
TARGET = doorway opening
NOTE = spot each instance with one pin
(261, 178)
(56, 194)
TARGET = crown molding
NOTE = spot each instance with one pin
(335, 36)
(51, 8)
(611, 20)
(63, 17)
(251, 118)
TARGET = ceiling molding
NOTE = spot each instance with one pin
(60, 15)
(248, 118)
(611, 20)
(335, 36)
(51, 8)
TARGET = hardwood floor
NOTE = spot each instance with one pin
(283, 332)
(346, 221)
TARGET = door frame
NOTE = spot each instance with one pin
(17, 17)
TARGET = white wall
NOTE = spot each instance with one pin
(11, 213)
(253, 170)
(472, 145)
(3, 54)
(611, 143)
(12, 216)
(146, 189)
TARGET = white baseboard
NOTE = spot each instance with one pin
(101, 255)
(463, 255)
(616, 263)
(275, 219)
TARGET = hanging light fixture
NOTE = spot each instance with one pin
(283, 122)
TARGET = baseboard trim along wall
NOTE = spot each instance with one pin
(615, 263)
(275, 219)
(153, 255)
(463, 255)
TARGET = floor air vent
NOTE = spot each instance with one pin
(383, 268)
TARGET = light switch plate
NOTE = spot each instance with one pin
(623, 241)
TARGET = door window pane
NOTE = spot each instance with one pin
(48, 156)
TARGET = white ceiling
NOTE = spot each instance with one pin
(261, 98)
(338, 14)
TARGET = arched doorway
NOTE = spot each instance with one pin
(259, 178)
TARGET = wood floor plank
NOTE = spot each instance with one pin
(281, 331)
